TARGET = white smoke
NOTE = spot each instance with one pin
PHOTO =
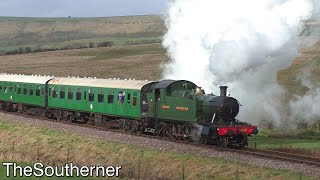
(306, 108)
(239, 43)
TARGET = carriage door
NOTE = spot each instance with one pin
(144, 104)
(46, 93)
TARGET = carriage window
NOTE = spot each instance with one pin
(38, 91)
(134, 103)
(19, 89)
(70, 93)
(120, 97)
(54, 94)
(129, 97)
(110, 99)
(31, 90)
(25, 90)
(0, 88)
(78, 94)
(49, 91)
(91, 95)
(62, 93)
(5, 88)
(134, 99)
(85, 94)
(11, 88)
(100, 98)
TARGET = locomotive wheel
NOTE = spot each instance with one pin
(222, 141)
(242, 140)
(204, 140)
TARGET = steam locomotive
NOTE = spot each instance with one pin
(174, 109)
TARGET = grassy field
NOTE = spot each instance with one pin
(135, 61)
(54, 32)
(297, 143)
(52, 147)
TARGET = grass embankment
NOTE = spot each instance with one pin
(53, 145)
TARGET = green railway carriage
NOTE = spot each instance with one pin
(99, 96)
(21, 89)
(160, 100)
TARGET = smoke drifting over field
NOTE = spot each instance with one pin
(242, 44)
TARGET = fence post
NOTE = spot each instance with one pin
(183, 174)
(255, 145)
(38, 153)
(237, 174)
(139, 162)
(13, 147)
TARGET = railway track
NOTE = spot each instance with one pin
(279, 155)
(270, 154)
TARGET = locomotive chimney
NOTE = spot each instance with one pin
(223, 91)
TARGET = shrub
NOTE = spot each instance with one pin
(20, 50)
(27, 49)
(105, 44)
(11, 52)
(38, 50)
(67, 47)
(91, 45)
(83, 46)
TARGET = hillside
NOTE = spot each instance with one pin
(54, 32)
(308, 61)
(112, 62)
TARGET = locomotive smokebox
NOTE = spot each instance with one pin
(223, 91)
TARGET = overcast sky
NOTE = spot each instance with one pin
(81, 8)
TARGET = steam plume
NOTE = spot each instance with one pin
(239, 43)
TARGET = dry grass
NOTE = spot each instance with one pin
(53, 145)
(139, 62)
(27, 31)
